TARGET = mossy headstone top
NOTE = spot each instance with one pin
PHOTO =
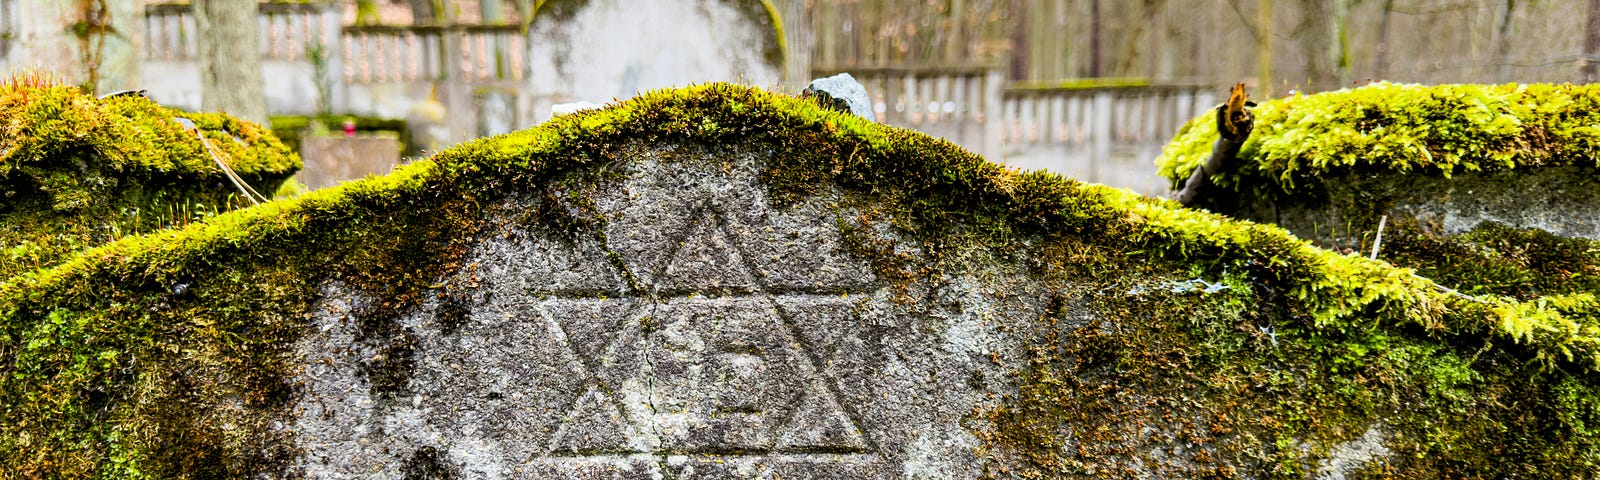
(77, 171)
(1303, 143)
(719, 282)
(1486, 189)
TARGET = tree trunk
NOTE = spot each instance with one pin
(1314, 38)
(492, 11)
(367, 12)
(1264, 47)
(230, 59)
(1094, 38)
(798, 39)
(1020, 51)
(954, 40)
(1590, 73)
(1502, 45)
(1380, 65)
(1339, 50)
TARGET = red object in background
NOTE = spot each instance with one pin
(349, 128)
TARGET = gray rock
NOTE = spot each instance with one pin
(560, 109)
(843, 93)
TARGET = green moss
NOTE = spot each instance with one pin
(1305, 146)
(1521, 263)
(1400, 128)
(76, 171)
(161, 353)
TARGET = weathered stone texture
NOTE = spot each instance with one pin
(1559, 200)
(691, 330)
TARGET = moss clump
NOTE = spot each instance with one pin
(1357, 152)
(76, 171)
(171, 354)
(1399, 128)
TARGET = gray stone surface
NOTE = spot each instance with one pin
(689, 327)
(843, 93)
(1561, 200)
(697, 332)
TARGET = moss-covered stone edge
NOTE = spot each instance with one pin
(1399, 128)
(928, 179)
(78, 171)
(133, 135)
(1302, 143)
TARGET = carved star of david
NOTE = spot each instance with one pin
(706, 360)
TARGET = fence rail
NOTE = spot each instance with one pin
(368, 54)
(971, 106)
(476, 53)
(286, 29)
(1127, 114)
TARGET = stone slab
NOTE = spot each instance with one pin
(698, 331)
(330, 160)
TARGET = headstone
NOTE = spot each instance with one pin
(429, 124)
(497, 111)
(718, 282)
(709, 335)
(330, 160)
(843, 93)
(613, 49)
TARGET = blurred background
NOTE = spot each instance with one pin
(1089, 88)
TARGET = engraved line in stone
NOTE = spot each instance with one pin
(708, 217)
(736, 243)
(614, 258)
(813, 382)
(594, 379)
(811, 354)
(598, 295)
(675, 243)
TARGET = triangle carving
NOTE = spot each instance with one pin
(820, 425)
(595, 426)
(590, 326)
(687, 365)
(705, 262)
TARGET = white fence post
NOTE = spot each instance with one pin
(1101, 134)
(993, 120)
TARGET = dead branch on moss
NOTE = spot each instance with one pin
(1234, 123)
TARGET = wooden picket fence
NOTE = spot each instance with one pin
(365, 54)
(972, 106)
(1073, 128)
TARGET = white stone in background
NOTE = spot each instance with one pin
(560, 109)
(842, 92)
(617, 48)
